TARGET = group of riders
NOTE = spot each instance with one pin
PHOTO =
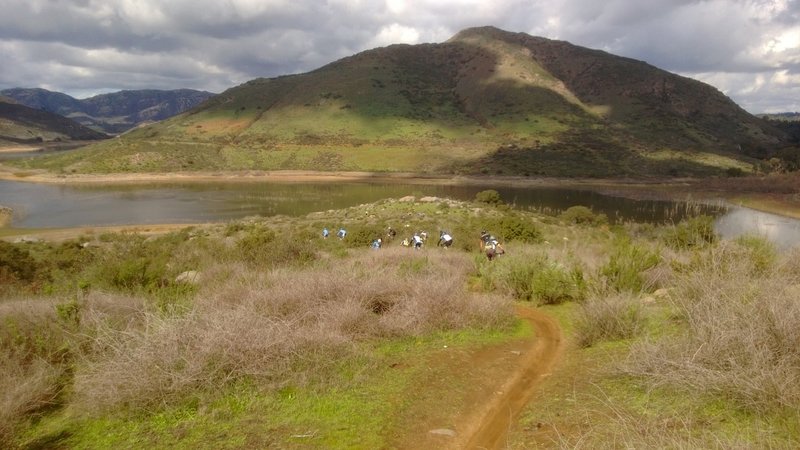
(488, 243)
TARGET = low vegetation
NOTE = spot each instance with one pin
(258, 331)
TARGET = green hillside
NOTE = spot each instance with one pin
(486, 101)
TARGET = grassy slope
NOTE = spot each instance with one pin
(484, 102)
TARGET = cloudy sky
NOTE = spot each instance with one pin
(748, 49)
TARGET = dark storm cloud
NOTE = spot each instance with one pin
(746, 48)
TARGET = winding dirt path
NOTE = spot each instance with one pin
(488, 426)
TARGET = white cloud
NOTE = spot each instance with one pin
(395, 34)
(749, 49)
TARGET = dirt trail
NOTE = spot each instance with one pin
(488, 426)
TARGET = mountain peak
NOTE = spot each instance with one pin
(485, 101)
(487, 30)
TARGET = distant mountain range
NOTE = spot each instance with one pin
(486, 101)
(112, 113)
(787, 116)
(22, 125)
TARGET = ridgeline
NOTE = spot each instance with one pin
(486, 101)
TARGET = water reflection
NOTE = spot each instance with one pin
(782, 231)
(51, 206)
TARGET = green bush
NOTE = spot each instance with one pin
(537, 278)
(752, 255)
(581, 215)
(760, 253)
(16, 263)
(516, 228)
(516, 274)
(362, 235)
(693, 233)
(69, 313)
(262, 246)
(554, 284)
(623, 271)
(489, 196)
(256, 244)
(131, 274)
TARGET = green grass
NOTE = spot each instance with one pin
(357, 414)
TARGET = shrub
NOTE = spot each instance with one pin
(625, 266)
(256, 243)
(752, 255)
(536, 277)
(16, 262)
(692, 233)
(514, 274)
(362, 235)
(291, 326)
(69, 256)
(603, 318)
(760, 253)
(132, 273)
(740, 334)
(581, 215)
(27, 387)
(516, 228)
(554, 284)
(489, 196)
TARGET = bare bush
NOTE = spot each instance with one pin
(288, 326)
(602, 317)
(25, 386)
(31, 342)
(742, 335)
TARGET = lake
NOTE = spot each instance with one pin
(57, 206)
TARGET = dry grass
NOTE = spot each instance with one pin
(742, 337)
(282, 327)
(609, 426)
(38, 342)
(29, 350)
(608, 317)
(28, 386)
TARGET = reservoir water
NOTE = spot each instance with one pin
(55, 206)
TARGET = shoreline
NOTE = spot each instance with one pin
(303, 176)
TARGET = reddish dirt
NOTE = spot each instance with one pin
(477, 396)
(490, 424)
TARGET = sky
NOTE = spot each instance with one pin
(748, 49)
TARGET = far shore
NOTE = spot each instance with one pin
(19, 149)
(44, 146)
(63, 234)
(305, 176)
